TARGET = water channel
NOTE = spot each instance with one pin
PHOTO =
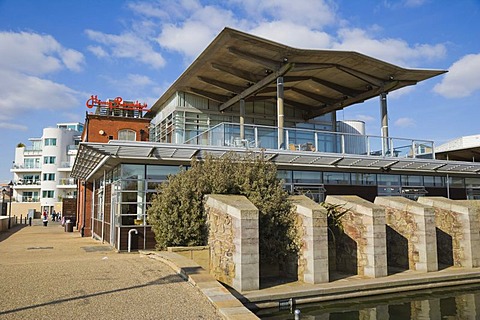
(459, 304)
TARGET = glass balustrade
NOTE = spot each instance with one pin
(255, 136)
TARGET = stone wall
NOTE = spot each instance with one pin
(312, 225)
(457, 223)
(234, 241)
(364, 224)
(415, 223)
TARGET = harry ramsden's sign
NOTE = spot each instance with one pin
(116, 103)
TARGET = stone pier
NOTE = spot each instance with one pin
(365, 225)
(234, 241)
(313, 256)
(414, 222)
(457, 223)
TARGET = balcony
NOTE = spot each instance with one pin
(65, 166)
(67, 183)
(26, 183)
(228, 135)
(29, 199)
(26, 167)
(72, 149)
(30, 151)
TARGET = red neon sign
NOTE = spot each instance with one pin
(116, 103)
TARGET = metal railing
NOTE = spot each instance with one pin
(26, 166)
(67, 181)
(255, 136)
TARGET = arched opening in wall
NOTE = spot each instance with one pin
(397, 252)
(342, 255)
(444, 249)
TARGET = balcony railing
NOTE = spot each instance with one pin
(67, 181)
(66, 164)
(72, 147)
(32, 151)
(26, 166)
(23, 182)
(228, 134)
(29, 199)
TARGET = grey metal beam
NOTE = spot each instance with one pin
(256, 87)
(209, 95)
(222, 85)
(242, 74)
(263, 61)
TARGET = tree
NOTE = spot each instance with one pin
(177, 213)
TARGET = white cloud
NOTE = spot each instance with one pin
(365, 118)
(293, 35)
(462, 79)
(404, 122)
(23, 93)
(125, 46)
(311, 14)
(12, 126)
(130, 85)
(396, 51)
(36, 54)
(192, 35)
(98, 51)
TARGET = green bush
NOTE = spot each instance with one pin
(177, 213)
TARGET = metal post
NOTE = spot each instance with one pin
(10, 192)
(242, 119)
(384, 115)
(280, 115)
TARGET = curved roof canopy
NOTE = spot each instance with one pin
(239, 66)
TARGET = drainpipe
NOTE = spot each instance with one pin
(130, 238)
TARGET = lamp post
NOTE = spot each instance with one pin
(4, 191)
(10, 192)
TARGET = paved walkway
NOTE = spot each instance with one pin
(46, 273)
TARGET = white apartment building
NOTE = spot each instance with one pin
(41, 171)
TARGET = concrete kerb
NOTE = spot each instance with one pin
(227, 305)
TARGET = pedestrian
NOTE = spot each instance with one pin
(54, 215)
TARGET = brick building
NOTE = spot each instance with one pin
(109, 122)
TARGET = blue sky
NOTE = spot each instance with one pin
(54, 54)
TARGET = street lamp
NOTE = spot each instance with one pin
(4, 191)
(10, 189)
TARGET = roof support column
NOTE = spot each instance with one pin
(242, 119)
(280, 115)
(384, 116)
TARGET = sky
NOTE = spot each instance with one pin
(55, 54)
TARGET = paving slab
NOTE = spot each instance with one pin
(47, 273)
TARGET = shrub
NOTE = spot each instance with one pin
(177, 213)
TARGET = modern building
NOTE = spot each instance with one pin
(245, 94)
(41, 171)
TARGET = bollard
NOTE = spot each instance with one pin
(21, 218)
(30, 221)
(297, 314)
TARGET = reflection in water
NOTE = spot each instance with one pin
(460, 305)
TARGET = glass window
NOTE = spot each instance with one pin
(48, 194)
(133, 171)
(429, 181)
(457, 182)
(336, 178)
(127, 134)
(367, 179)
(50, 142)
(472, 182)
(388, 179)
(49, 177)
(285, 175)
(49, 160)
(161, 172)
(409, 180)
(307, 177)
